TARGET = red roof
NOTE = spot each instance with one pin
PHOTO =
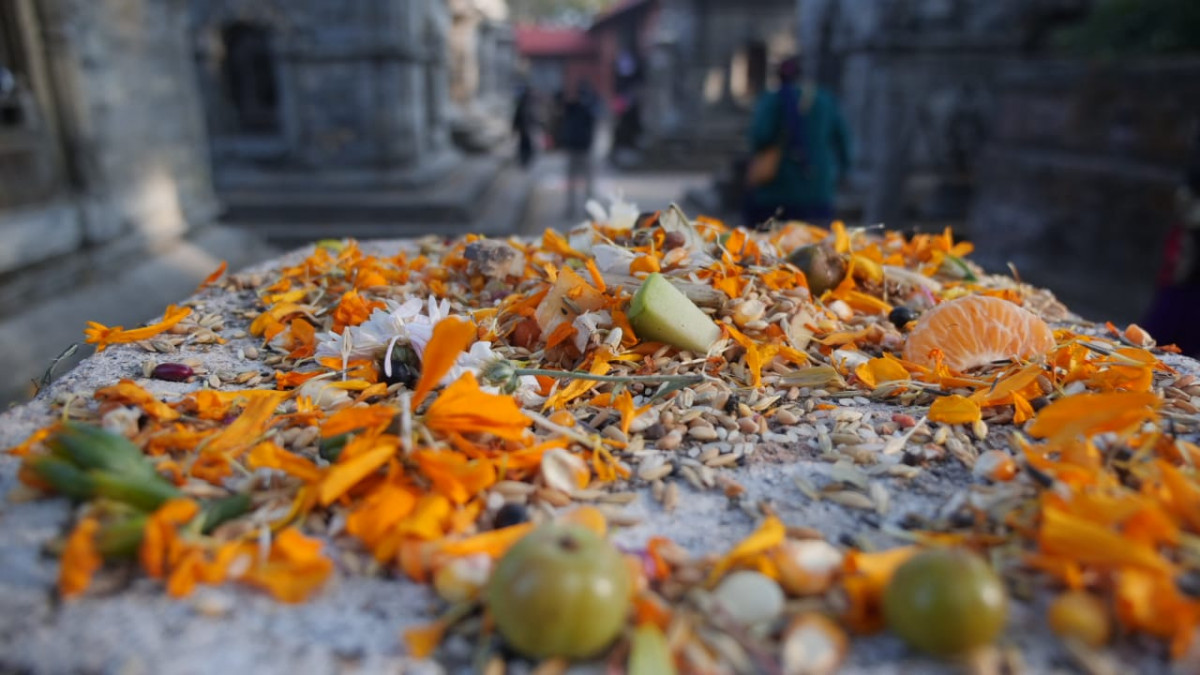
(539, 41)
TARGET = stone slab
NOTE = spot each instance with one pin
(354, 624)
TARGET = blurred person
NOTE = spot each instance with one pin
(1173, 317)
(525, 124)
(801, 152)
(577, 133)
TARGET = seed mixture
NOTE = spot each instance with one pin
(422, 409)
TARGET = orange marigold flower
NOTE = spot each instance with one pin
(451, 336)
(127, 392)
(423, 640)
(102, 336)
(80, 559)
(212, 278)
(769, 534)
(161, 546)
(352, 310)
(294, 568)
(352, 469)
(955, 409)
(464, 408)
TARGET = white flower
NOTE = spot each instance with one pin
(587, 324)
(376, 336)
(477, 358)
(621, 215)
(413, 322)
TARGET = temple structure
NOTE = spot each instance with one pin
(102, 145)
(706, 63)
(342, 112)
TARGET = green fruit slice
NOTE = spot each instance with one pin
(662, 313)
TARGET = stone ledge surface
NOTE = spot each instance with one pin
(355, 623)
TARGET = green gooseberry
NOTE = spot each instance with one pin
(945, 602)
(562, 591)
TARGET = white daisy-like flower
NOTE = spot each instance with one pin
(620, 214)
(413, 322)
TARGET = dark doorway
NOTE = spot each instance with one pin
(28, 154)
(756, 67)
(250, 77)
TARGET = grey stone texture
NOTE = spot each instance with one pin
(340, 113)
(121, 227)
(702, 57)
(1077, 185)
(120, 120)
(354, 625)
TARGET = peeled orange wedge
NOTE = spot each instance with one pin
(975, 330)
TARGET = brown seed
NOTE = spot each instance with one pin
(854, 500)
(526, 334)
(671, 441)
(553, 497)
(671, 497)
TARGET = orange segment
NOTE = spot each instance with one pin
(976, 330)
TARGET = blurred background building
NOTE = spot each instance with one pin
(143, 141)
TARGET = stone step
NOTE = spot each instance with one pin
(446, 201)
(494, 205)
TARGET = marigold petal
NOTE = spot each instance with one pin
(80, 559)
(955, 409)
(345, 475)
(769, 534)
(451, 336)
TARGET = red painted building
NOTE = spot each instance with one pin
(557, 59)
(611, 55)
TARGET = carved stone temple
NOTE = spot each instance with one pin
(341, 112)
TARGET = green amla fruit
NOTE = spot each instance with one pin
(945, 602)
(822, 266)
(562, 591)
(660, 312)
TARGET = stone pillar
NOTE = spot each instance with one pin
(436, 28)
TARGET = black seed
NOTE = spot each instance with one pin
(509, 515)
(654, 432)
(406, 367)
(901, 316)
(963, 518)
(731, 405)
(1039, 402)
(1188, 583)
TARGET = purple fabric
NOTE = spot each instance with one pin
(1174, 317)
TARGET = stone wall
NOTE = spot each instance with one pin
(124, 125)
(1076, 186)
(347, 90)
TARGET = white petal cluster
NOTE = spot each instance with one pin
(411, 322)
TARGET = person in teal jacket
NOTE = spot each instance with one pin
(806, 121)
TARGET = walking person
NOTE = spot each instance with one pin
(577, 134)
(801, 152)
(524, 125)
